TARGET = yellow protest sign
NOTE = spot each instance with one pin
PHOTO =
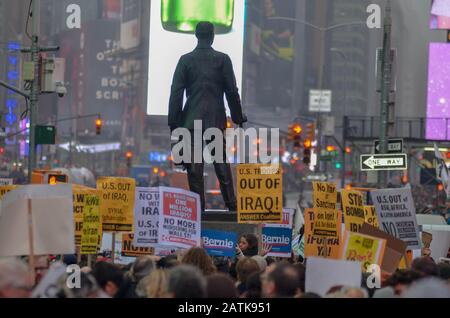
(371, 216)
(259, 193)
(129, 250)
(363, 248)
(6, 188)
(92, 225)
(116, 203)
(79, 192)
(326, 215)
(353, 208)
(316, 246)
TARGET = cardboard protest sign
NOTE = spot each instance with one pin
(92, 225)
(179, 222)
(5, 189)
(353, 209)
(279, 236)
(326, 214)
(397, 215)
(146, 217)
(131, 250)
(370, 215)
(117, 203)
(426, 239)
(394, 251)
(6, 181)
(47, 287)
(219, 243)
(43, 210)
(79, 193)
(323, 274)
(327, 247)
(259, 193)
(362, 248)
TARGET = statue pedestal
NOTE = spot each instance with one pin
(224, 220)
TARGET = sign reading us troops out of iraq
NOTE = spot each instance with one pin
(397, 215)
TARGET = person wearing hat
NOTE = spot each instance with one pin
(205, 75)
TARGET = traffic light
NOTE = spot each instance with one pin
(129, 156)
(295, 135)
(440, 187)
(311, 131)
(307, 144)
(98, 125)
(338, 165)
(331, 148)
(348, 150)
(405, 179)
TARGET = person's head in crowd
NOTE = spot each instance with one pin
(301, 272)
(254, 286)
(141, 268)
(41, 266)
(88, 288)
(70, 259)
(156, 284)
(222, 264)
(365, 278)
(281, 282)
(261, 263)
(220, 286)
(347, 292)
(186, 281)
(198, 257)
(444, 271)
(401, 280)
(15, 279)
(248, 244)
(429, 287)
(425, 266)
(270, 260)
(168, 262)
(310, 295)
(109, 277)
(244, 268)
(385, 292)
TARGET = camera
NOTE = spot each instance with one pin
(60, 89)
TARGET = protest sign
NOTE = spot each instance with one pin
(219, 243)
(5, 189)
(179, 222)
(362, 248)
(92, 225)
(131, 250)
(298, 246)
(6, 181)
(315, 245)
(259, 193)
(326, 214)
(38, 220)
(279, 236)
(116, 203)
(394, 251)
(426, 239)
(323, 274)
(48, 287)
(146, 217)
(353, 209)
(79, 193)
(371, 216)
(397, 215)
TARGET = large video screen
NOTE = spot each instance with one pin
(438, 110)
(172, 26)
(440, 14)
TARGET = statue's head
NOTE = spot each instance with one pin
(205, 32)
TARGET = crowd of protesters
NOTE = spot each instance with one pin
(195, 274)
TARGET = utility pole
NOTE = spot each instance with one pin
(386, 79)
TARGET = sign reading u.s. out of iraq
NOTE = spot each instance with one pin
(384, 162)
(259, 193)
(117, 203)
(397, 215)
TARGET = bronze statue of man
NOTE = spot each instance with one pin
(206, 76)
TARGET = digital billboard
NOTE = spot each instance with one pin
(172, 26)
(438, 108)
(440, 14)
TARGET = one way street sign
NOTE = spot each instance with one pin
(384, 162)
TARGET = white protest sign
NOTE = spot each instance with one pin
(48, 286)
(323, 274)
(146, 217)
(397, 215)
(179, 222)
(51, 220)
(6, 181)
